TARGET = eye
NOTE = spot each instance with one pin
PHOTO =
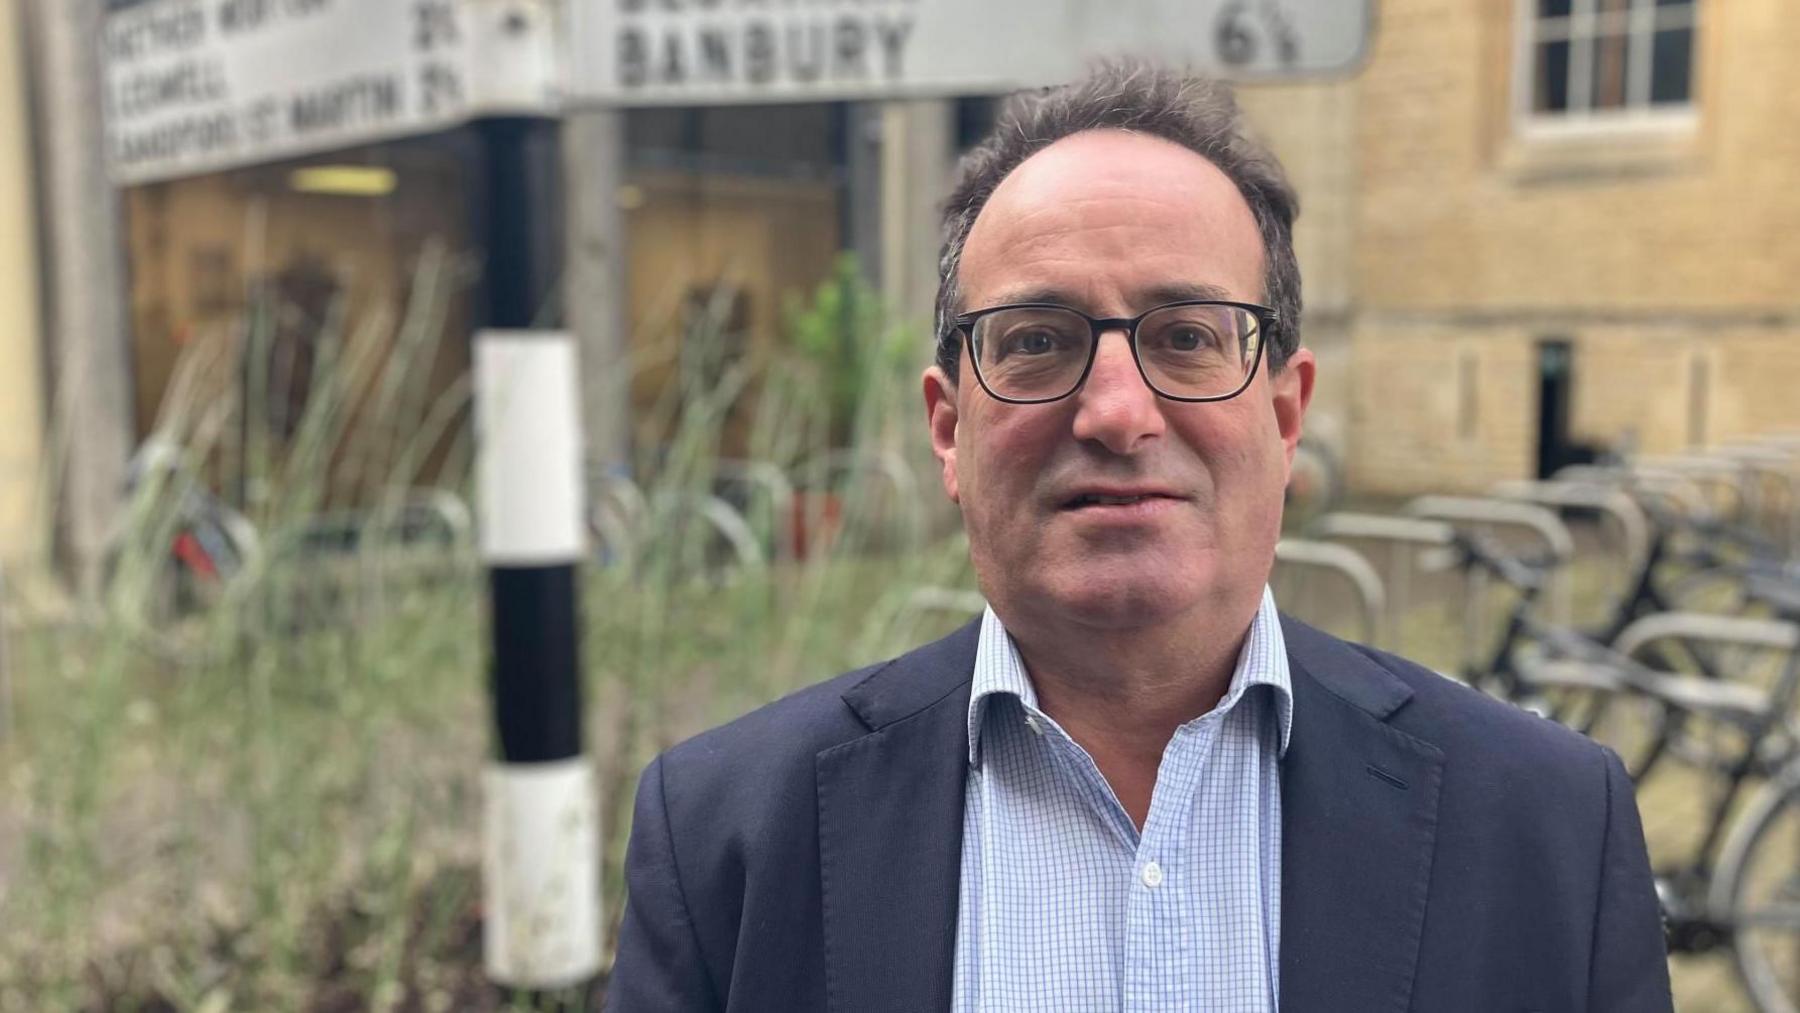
(1189, 338)
(1033, 341)
(1036, 336)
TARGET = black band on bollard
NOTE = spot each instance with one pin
(537, 701)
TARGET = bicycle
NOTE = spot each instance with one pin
(1740, 887)
(174, 547)
(1741, 882)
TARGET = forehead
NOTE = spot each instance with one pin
(1105, 218)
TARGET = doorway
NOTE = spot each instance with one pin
(1556, 379)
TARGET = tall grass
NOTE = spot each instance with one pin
(272, 802)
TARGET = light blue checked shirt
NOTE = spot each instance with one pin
(1064, 906)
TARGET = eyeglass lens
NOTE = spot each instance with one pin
(1040, 353)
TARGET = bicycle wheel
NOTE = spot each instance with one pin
(1634, 726)
(1757, 889)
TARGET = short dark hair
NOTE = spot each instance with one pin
(1200, 114)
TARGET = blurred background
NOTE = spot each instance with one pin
(245, 246)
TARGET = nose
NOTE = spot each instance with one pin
(1114, 406)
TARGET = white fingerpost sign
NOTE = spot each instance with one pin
(703, 52)
(194, 86)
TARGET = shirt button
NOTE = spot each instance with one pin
(1036, 726)
(1152, 875)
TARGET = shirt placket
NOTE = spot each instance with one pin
(1073, 764)
(1165, 888)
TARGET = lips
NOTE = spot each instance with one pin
(1114, 498)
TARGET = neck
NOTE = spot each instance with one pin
(1121, 694)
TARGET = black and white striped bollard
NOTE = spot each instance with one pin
(541, 861)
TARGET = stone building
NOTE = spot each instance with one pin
(1542, 228)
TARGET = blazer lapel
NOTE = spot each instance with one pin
(890, 833)
(1359, 803)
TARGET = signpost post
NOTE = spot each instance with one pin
(91, 396)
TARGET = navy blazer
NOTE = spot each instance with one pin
(1441, 851)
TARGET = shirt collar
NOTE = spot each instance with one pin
(1263, 661)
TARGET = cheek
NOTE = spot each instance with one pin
(1241, 453)
(1009, 450)
(998, 472)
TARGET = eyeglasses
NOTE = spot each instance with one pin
(1198, 350)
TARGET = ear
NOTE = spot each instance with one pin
(941, 417)
(1291, 390)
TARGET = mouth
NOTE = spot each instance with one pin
(1115, 499)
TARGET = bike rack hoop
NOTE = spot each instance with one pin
(1678, 490)
(1544, 523)
(1738, 702)
(1540, 522)
(1384, 527)
(1401, 535)
(1781, 463)
(1709, 471)
(1739, 631)
(775, 487)
(1347, 563)
(1609, 500)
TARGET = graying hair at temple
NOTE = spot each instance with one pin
(1199, 114)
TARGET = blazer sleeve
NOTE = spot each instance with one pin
(1630, 970)
(658, 966)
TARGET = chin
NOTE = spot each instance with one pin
(1110, 598)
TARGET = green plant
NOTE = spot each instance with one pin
(854, 348)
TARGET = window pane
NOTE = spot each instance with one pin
(1677, 3)
(1671, 63)
(1612, 15)
(1612, 55)
(1671, 15)
(1553, 8)
(1550, 81)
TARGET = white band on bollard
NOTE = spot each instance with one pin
(528, 463)
(542, 890)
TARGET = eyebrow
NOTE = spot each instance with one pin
(1145, 298)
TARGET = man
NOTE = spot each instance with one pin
(1133, 784)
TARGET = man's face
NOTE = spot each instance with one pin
(1113, 223)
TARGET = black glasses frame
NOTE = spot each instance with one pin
(1266, 318)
